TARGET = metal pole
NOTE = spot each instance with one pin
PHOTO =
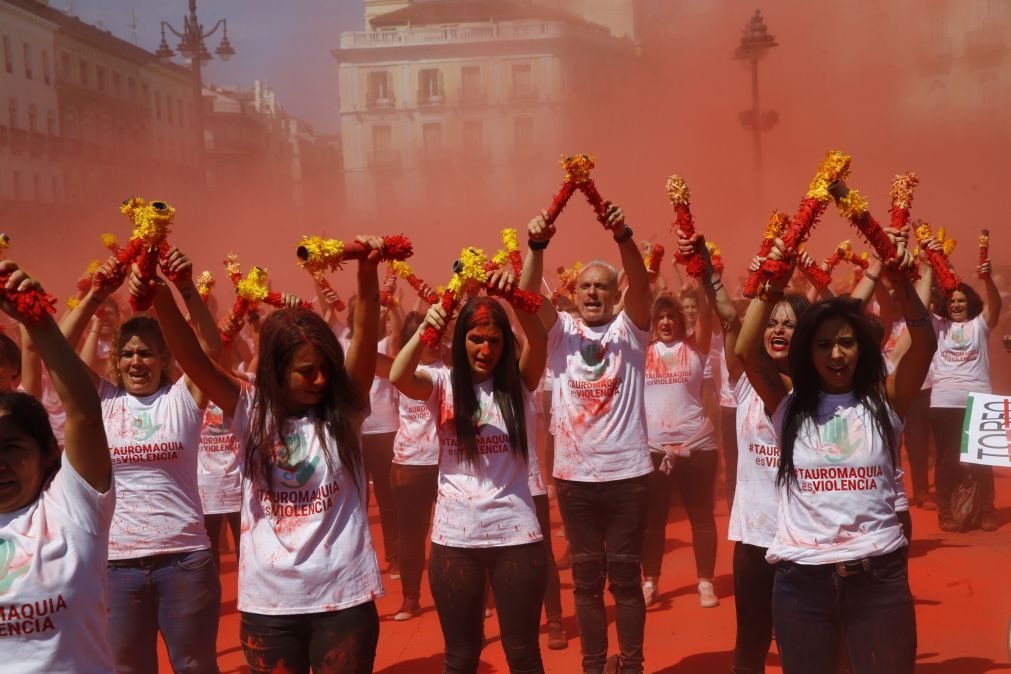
(198, 95)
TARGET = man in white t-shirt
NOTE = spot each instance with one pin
(597, 362)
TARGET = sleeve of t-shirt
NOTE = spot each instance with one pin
(780, 414)
(106, 390)
(639, 335)
(561, 327)
(984, 328)
(238, 423)
(89, 509)
(184, 404)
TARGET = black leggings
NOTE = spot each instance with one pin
(695, 476)
(337, 641)
(553, 591)
(753, 581)
(916, 437)
(213, 525)
(377, 452)
(518, 575)
(414, 491)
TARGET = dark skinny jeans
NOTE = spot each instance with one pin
(604, 522)
(753, 582)
(414, 492)
(336, 641)
(518, 575)
(553, 590)
(813, 607)
(377, 454)
(695, 477)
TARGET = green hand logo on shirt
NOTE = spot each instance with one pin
(837, 435)
(593, 354)
(144, 427)
(7, 577)
(959, 339)
(291, 459)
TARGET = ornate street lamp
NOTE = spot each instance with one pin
(192, 47)
(755, 45)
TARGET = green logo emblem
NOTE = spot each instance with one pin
(291, 459)
(7, 576)
(144, 427)
(841, 445)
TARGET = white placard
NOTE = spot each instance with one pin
(986, 430)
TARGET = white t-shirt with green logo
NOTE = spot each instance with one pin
(848, 491)
(598, 410)
(53, 580)
(674, 414)
(417, 443)
(218, 465)
(153, 441)
(755, 512)
(485, 503)
(961, 363)
(305, 544)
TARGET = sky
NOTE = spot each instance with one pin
(272, 41)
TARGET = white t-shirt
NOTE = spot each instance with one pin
(417, 441)
(218, 465)
(598, 407)
(305, 544)
(534, 478)
(384, 401)
(674, 414)
(962, 361)
(844, 504)
(53, 405)
(485, 503)
(756, 500)
(153, 442)
(727, 396)
(54, 603)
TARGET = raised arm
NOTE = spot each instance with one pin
(724, 308)
(869, 282)
(31, 365)
(904, 384)
(539, 234)
(758, 366)
(204, 325)
(404, 374)
(209, 378)
(638, 300)
(535, 354)
(361, 357)
(992, 303)
(85, 444)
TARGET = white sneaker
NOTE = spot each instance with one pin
(650, 592)
(707, 595)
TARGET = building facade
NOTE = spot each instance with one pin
(434, 93)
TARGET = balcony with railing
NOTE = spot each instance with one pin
(37, 144)
(384, 159)
(473, 96)
(381, 99)
(431, 98)
(490, 32)
(19, 141)
(935, 55)
(985, 46)
(523, 93)
(4, 137)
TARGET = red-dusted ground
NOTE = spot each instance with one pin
(962, 585)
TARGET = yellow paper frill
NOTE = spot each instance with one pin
(401, 269)
(322, 253)
(835, 166)
(151, 220)
(253, 288)
(577, 167)
(472, 261)
(205, 283)
(852, 206)
(677, 190)
(902, 189)
(109, 241)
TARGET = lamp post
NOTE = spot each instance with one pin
(755, 45)
(191, 46)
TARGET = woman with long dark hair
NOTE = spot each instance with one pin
(961, 366)
(308, 574)
(485, 520)
(55, 513)
(162, 578)
(839, 546)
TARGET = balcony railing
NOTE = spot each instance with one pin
(37, 144)
(19, 141)
(523, 93)
(986, 43)
(935, 56)
(384, 159)
(473, 96)
(428, 35)
(428, 98)
(4, 137)
(379, 100)
(433, 156)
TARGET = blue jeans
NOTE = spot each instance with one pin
(605, 523)
(814, 606)
(176, 594)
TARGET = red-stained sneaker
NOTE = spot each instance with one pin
(408, 609)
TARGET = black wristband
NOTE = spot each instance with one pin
(538, 245)
(624, 236)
